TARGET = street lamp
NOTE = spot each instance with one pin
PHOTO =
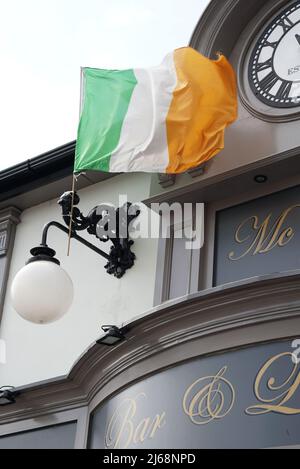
(42, 291)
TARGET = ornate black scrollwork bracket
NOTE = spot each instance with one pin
(107, 224)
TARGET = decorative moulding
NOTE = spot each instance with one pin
(9, 218)
(206, 322)
(210, 24)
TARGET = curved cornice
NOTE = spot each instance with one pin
(209, 24)
(221, 24)
(198, 319)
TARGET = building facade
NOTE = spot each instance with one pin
(212, 333)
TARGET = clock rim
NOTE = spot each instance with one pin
(242, 53)
(254, 51)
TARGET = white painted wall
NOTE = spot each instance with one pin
(39, 352)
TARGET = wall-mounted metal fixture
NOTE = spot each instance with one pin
(8, 395)
(113, 335)
(260, 178)
(42, 291)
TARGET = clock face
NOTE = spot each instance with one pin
(274, 67)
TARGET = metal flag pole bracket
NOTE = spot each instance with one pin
(104, 222)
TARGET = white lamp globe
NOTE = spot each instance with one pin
(42, 292)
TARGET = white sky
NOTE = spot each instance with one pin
(43, 43)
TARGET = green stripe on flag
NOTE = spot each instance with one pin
(107, 94)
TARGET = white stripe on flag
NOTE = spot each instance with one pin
(143, 141)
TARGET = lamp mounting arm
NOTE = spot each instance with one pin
(63, 228)
(106, 223)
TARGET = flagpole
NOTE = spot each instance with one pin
(71, 215)
(74, 177)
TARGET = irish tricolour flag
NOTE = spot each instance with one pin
(164, 119)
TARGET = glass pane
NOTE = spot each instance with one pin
(55, 437)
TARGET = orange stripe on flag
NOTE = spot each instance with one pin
(204, 103)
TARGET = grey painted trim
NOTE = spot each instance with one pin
(210, 24)
(238, 314)
(164, 269)
(9, 218)
(160, 272)
(82, 428)
(207, 268)
(279, 165)
(221, 24)
(79, 416)
(210, 335)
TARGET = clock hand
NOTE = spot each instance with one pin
(297, 36)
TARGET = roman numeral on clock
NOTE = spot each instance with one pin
(286, 24)
(268, 81)
(264, 65)
(274, 62)
(271, 44)
(284, 90)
